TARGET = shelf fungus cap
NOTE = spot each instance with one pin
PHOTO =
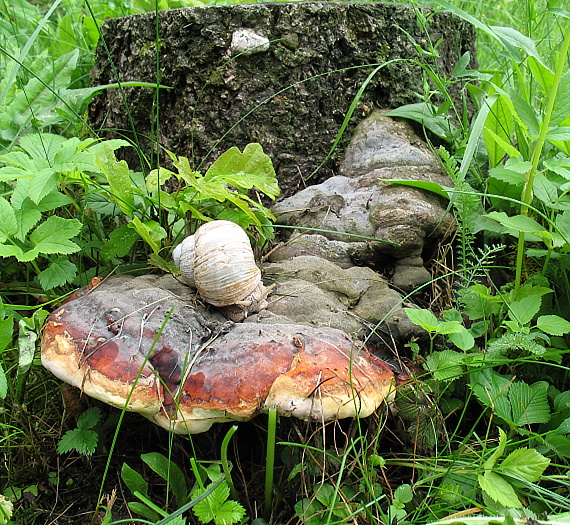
(140, 344)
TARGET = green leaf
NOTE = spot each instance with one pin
(6, 331)
(325, 493)
(207, 509)
(252, 168)
(498, 125)
(148, 231)
(445, 365)
(58, 273)
(423, 318)
(229, 513)
(499, 490)
(426, 114)
(525, 463)
(52, 236)
(8, 223)
(432, 187)
(403, 493)
(309, 512)
(3, 383)
(516, 223)
(529, 403)
(491, 389)
(561, 108)
(559, 133)
(41, 184)
(553, 325)
(120, 242)
(140, 508)
(89, 418)
(523, 311)
(83, 441)
(498, 452)
(170, 472)
(133, 480)
(118, 176)
(462, 339)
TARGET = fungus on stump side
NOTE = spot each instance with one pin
(145, 348)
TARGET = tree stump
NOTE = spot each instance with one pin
(281, 74)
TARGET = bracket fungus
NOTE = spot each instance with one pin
(143, 344)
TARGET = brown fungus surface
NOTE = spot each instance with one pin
(142, 344)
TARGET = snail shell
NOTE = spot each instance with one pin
(218, 261)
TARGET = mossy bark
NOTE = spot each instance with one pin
(291, 98)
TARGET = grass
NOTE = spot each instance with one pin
(484, 430)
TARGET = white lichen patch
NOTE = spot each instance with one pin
(248, 42)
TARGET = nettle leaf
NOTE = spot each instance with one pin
(553, 325)
(445, 365)
(58, 273)
(525, 463)
(490, 388)
(89, 418)
(83, 441)
(499, 490)
(529, 403)
(524, 310)
(422, 317)
(54, 234)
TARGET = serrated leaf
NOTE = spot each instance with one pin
(499, 490)
(83, 441)
(561, 108)
(529, 403)
(54, 234)
(553, 325)
(42, 184)
(445, 365)
(423, 318)
(8, 223)
(252, 168)
(526, 463)
(491, 390)
(58, 273)
(524, 310)
(229, 513)
(26, 217)
(133, 480)
(206, 509)
(89, 418)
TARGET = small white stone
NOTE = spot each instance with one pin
(247, 42)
